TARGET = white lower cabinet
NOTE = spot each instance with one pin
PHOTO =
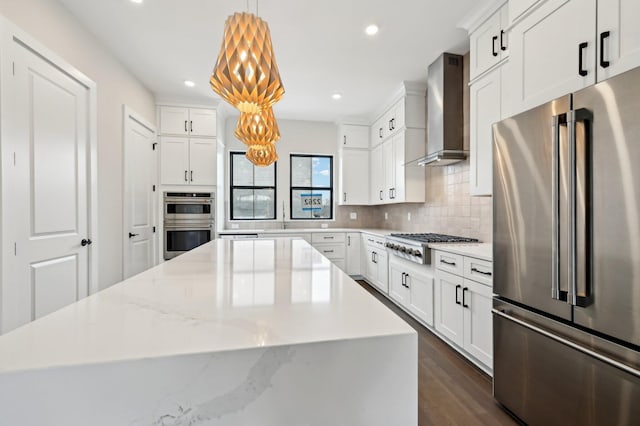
(411, 287)
(463, 310)
(352, 261)
(376, 262)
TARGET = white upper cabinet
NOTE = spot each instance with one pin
(555, 54)
(485, 97)
(377, 178)
(489, 43)
(353, 136)
(520, 8)
(187, 161)
(187, 121)
(353, 177)
(618, 37)
(202, 161)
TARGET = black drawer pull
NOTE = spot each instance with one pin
(502, 46)
(481, 272)
(458, 287)
(493, 45)
(603, 36)
(446, 262)
(464, 303)
(582, 72)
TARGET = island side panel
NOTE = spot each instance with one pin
(368, 381)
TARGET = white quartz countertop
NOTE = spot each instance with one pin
(482, 251)
(380, 232)
(224, 295)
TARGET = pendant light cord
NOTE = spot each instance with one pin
(257, 10)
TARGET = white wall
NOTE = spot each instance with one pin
(53, 26)
(296, 137)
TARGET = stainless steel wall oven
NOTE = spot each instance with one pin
(189, 221)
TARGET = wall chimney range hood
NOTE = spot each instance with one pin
(445, 140)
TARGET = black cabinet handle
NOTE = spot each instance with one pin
(458, 287)
(348, 240)
(481, 272)
(185, 176)
(402, 280)
(380, 132)
(446, 262)
(603, 36)
(406, 283)
(582, 72)
(327, 251)
(493, 45)
(344, 138)
(464, 303)
(381, 195)
(393, 124)
(344, 197)
(132, 235)
(185, 126)
(191, 126)
(502, 46)
(191, 175)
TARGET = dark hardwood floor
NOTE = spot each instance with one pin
(451, 390)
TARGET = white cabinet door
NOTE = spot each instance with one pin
(202, 161)
(353, 136)
(550, 43)
(371, 269)
(622, 43)
(202, 122)
(389, 170)
(174, 120)
(353, 254)
(485, 95)
(397, 289)
(485, 45)
(174, 153)
(382, 263)
(420, 301)
(354, 177)
(377, 176)
(398, 188)
(478, 323)
(448, 306)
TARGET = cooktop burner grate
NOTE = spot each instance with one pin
(435, 238)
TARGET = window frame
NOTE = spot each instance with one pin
(292, 188)
(254, 187)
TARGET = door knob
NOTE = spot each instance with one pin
(85, 242)
(130, 235)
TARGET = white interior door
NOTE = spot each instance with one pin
(139, 183)
(47, 135)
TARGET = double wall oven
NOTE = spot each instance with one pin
(189, 221)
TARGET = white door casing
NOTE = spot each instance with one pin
(49, 183)
(140, 166)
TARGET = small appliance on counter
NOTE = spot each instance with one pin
(189, 221)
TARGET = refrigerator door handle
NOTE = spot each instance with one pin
(579, 348)
(581, 294)
(556, 289)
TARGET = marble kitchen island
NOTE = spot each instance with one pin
(235, 332)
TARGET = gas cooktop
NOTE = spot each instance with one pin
(414, 247)
(435, 238)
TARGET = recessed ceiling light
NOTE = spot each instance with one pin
(137, 1)
(189, 83)
(336, 96)
(371, 29)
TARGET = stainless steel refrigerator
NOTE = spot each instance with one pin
(566, 317)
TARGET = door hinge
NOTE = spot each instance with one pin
(154, 229)
(154, 188)
(153, 145)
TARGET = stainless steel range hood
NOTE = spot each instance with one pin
(445, 86)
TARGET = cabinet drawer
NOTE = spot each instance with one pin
(327, 237)
(478, 270)
(449, 262)
(331, 251)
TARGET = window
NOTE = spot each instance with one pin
(311, 186)
(253, 189)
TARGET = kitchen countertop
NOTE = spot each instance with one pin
(482, 251)
(224, 295)
(381, 232)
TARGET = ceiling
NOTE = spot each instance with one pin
(321, 47)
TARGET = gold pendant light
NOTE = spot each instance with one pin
(257, 129)
(246, 74)
(262, 155)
